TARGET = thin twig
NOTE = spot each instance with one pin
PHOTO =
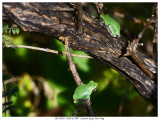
(120, 109)
(71, 63)
(78, 110)
(47, 50)
(75, 74)
(136, 20)
(89, 107)
(150, 20)
(155, 39)
(11, 80)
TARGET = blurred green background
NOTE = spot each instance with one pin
(45, 83)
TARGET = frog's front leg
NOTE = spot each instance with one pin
(131, 51)
(108, 27)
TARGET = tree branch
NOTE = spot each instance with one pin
(47, 50)
(71, 63)
(39, 17)
(75, 73)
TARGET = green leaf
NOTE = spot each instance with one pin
(13, 30)
(5, 28)
(2, 30)
(17, 30)
(9, 31)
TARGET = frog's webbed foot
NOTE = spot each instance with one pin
(118, 36)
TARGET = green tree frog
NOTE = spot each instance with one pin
(83, 92)
(113, 26)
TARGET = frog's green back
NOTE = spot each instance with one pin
(84, 90)
(107, 19)
(110, 21)
(81, 92)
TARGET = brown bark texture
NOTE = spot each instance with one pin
(59, 20)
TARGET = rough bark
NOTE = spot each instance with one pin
(59, 20)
